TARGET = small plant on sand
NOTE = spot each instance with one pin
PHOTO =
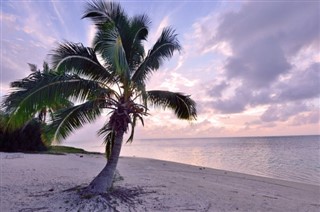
(116, 82)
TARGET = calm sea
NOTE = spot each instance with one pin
(294, 158)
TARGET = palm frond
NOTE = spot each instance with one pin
(46, 68)
(61, 103)
(101, 12)
(133, 125)
(38, 91)
(65, 121)
(140, 27)
(164, 48)
(109, 135)
(184, 107)
(113, 24)
(136, 33)
(108, 43)
(74, 58)
(109, 141)
(33, 67)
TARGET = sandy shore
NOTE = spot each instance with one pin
(36, 182)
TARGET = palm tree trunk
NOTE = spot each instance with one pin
(103, 182)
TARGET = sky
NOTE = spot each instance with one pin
(253, 67)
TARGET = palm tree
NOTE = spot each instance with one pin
(62, 103)
(115, 82)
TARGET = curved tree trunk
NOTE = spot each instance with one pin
(103, 182)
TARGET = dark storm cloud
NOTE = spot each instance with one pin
(264, 37)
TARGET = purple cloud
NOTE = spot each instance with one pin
(258, 64)
(282, 112)
(302, 85)
(264, 38)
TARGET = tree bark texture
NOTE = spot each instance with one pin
(103, 182)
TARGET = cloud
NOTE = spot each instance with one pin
(202, 32)
(283, 116)
(9, 67)
(282, 112)
(29, 31)
(91, 31)
(262, 38)
(292, 29)
(56, 6)
(312, 117)
(33, 24)
(218, 88)
(164, 23)
(7, 18)
(172, 79)
(235, 104)
(258, 64)
(273, 55)
(303, 84)
(153, 36)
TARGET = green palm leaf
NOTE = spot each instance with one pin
(79, 76)
(112, 24)
(109, 141)
(109, 135)
(101, 12)
(133, 125)
(109, 44)
(115, 28)
(46, 68)
(33, 67)
(184, 107)
(38, 91)
(74, 58)
(65, 121)
(162, 49)
(132, 42)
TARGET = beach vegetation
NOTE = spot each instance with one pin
(107, 79)
(42, 114)
(23, 139)
(28, 135)
(57, 149)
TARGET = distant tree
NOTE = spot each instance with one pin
(62, 103)
(20, 91)
(25, 139)
(115, 83)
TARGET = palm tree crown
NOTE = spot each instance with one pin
(115, 82)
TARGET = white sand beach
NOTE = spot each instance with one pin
(40, 182)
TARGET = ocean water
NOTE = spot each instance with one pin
(294, 158)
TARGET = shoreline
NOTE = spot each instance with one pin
(228, 171)
(40, 181)
(16, 155)
(231, 173)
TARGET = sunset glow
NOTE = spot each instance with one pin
(252, 68)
